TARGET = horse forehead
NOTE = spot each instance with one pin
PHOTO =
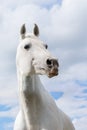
(33, 40)
(32, 37)
(29, 39)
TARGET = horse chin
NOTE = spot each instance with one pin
(51, 74)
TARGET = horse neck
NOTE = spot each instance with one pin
(30, 90)
(30, 93)
(30, 84)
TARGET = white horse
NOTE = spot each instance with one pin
(38, 110)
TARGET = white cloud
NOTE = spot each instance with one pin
(8, 93)
(64, 29)
(12, 3)
(81, 123)
(73, 102)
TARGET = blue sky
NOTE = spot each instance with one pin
(63, 26)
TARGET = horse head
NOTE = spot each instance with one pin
(33, 56)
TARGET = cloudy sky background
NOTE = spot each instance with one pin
(63, 26)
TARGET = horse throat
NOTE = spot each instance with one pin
(28, 84)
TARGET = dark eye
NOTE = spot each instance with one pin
(46, 46)
(27, 47)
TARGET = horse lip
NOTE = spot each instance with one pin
(53, 73)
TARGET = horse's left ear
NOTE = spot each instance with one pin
(23, 31)
(36, 30)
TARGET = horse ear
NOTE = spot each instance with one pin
(36, 30)
(23, 31)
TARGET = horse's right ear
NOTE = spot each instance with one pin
(36, 30)
(23, 31)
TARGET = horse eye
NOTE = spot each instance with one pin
(27, 47)
(46, 46)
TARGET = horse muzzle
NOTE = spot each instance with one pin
(53, 66)
(53, 72)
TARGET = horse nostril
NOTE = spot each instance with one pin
(52, 62)
(49, 62)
